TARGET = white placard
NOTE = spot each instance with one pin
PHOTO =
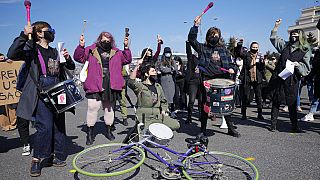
(60, 50)
(84, 72)
(288, 71)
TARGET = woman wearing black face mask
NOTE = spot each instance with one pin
(251, 75)
(44, 68)
(213, 56)
(298, 51)
(151, 99)
(105, 81)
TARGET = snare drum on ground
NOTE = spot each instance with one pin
(161, 133)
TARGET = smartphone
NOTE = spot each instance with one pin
(126, 32)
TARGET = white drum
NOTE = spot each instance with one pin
(161, 133)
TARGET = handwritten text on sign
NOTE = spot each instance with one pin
(8, 82)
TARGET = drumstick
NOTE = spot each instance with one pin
(225, 70)
(27, 4)
(207, 8)
(84, 26)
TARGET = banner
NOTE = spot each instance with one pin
(8, 81)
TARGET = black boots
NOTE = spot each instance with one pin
(273, 126)
(231, 128)
(260, 117)
(90, 135)
(109, 134)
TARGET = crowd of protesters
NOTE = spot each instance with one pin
(167, 85)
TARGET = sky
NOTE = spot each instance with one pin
(172, 19)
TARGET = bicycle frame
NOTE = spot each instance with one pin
(181, 156)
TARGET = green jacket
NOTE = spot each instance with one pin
(144, 99)
(270, 66)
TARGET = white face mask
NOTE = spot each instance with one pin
(167, 55)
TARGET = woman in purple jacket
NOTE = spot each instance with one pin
(104, 81)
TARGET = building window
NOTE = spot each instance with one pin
(317, 13)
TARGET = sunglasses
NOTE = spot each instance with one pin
(50, 30)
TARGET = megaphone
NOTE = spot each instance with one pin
(223, 123)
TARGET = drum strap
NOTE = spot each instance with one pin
(33, 75)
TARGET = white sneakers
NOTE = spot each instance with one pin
(308, 117)
(26, 150)
(285, 109)
(173, 115)
(299, 109)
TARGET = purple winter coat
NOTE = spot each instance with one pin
(93, 82)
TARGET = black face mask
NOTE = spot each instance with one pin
(105, 45)
(48, 36)
(153, 78)
(254, 51)
(294, 39)
(213, 41)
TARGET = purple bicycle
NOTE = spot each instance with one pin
(197, 162)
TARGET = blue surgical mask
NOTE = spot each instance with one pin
(167, 55)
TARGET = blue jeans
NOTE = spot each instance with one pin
(50, 135)
(310, 89)
(314, 105)
(299, 92)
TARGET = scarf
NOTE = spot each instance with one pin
(253, 68)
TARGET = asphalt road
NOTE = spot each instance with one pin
(278, 156)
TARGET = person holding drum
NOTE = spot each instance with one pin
(298, 51)
(251, 75)
(45, 70)
(105, 82)
(151, 100)
(214, 62)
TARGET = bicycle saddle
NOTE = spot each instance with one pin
(198, 140)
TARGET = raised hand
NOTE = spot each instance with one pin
(65, 53)
(126, 42)
(159, 39)
(82, 40)
(197, 21)
(27, 30)
(278, 22)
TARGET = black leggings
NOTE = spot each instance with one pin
(180, 96)
(193, 91)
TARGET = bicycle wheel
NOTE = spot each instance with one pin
(219, 165)
(108, 160)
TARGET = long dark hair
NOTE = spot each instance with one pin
(144, 52)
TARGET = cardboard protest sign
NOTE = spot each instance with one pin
(8, 81)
